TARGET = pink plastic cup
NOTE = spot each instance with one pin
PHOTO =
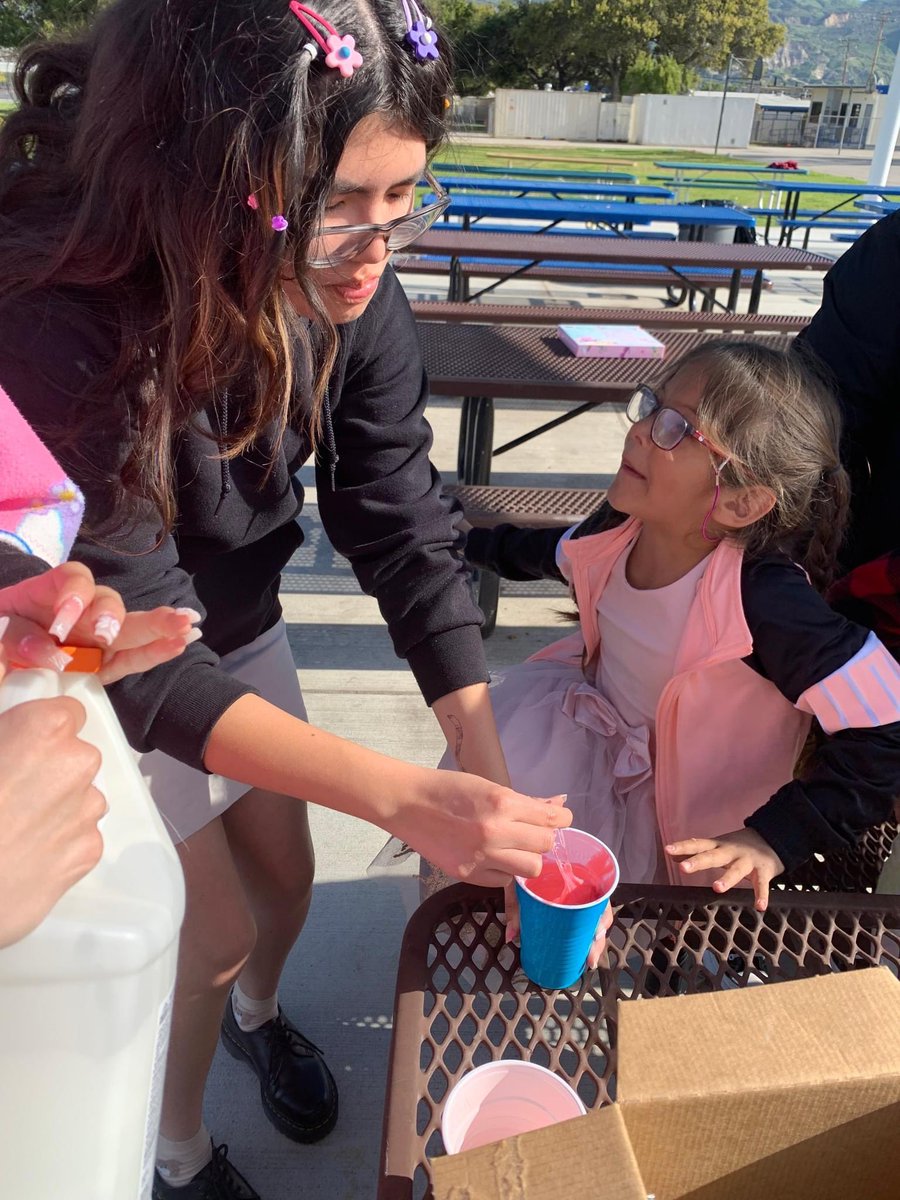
(502, 1099)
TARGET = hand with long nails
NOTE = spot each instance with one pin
(66, 605)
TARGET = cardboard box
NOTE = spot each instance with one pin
(784, 1092)
(610, 341)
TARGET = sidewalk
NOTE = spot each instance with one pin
(339, 981)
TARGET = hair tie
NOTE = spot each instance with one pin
(420, 31)
(340, 50)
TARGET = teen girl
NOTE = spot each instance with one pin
(198, 203)
(676, 715)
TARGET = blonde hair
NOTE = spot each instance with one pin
(773, 413)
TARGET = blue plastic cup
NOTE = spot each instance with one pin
(556, 938)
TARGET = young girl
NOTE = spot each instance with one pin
(198, 204)
(675, 717)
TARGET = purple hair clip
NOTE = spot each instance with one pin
(420, 31)
(279, 221)
(340, 50)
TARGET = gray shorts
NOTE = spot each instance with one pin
(188, 799)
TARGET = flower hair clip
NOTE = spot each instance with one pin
(279, 221)
(340, 51)
(420, 31)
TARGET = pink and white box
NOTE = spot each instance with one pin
(610, 341)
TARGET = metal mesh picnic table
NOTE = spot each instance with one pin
(462, 999)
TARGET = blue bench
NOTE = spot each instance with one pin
(834, 221)
(537, 227)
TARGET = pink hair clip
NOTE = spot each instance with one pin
(252, 202)
(340, 50)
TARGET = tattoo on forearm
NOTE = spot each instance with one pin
(457, 749)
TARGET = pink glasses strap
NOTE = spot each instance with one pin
(712, 508)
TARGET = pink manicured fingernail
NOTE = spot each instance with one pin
(4, 625)
(35, 652)
(191, 613)
(66, 616)
(193, 636)
(687, 867)
(107, 628)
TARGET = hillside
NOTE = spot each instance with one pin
(820, 36)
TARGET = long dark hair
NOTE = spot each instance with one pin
(125, 171)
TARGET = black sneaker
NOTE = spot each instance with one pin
(218, 1180)
(298, 1092)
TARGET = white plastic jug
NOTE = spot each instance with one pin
(85, 999)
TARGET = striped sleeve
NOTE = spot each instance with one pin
(862, 694)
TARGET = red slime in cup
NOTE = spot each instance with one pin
(550, 884)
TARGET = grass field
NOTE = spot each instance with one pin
(633, 159)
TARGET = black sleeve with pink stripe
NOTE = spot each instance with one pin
(840, 673)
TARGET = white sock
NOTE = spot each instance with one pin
(179, 1162)
(250, 1014)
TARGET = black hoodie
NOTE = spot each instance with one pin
(379, 499)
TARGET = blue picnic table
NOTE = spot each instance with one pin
(560, 189)
(600, 212)
(850, 192)
(535, 173)
(700, 168)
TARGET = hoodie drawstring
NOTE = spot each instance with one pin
(224, 463)
(330, 447)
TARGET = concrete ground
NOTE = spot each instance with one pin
(339, 981)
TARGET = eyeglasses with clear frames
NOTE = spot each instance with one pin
(339, 243)
(669, 427)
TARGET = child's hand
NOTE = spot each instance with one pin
(512, 925)
(65, 604)
(742, 853)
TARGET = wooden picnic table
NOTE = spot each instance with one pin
(484, 363)
(531, 248)
(560, 189)
(558, 158)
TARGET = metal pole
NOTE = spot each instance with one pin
(888, 130)
(722, 107)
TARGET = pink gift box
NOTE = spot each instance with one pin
(610, 341)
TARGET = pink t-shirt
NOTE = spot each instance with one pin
(640, 632)
(40, 509)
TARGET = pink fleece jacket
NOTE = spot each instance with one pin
(726, 738)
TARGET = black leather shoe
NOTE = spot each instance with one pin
(217, 1181)
(298, 1091)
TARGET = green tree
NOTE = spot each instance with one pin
(22, 21)
(657, 74)
(466, 25)
(704, 32)
(616, 32)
